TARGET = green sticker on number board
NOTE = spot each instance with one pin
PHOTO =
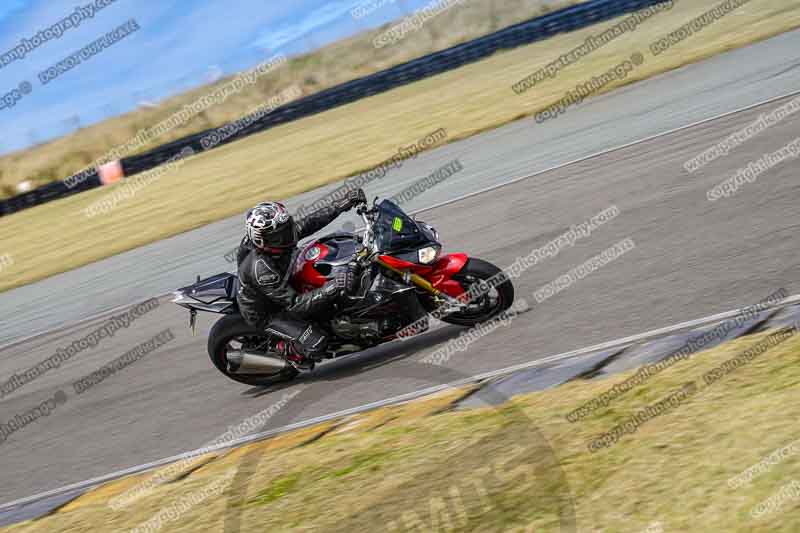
(398, 224)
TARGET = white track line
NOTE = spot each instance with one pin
(607, 151)
(83, 485)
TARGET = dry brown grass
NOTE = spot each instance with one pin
(306, 154)
(674, 470)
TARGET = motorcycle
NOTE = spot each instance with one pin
(404, 278)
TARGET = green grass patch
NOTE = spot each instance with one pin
(370, 461)
(278, 489)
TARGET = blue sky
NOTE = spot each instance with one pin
(181, 44)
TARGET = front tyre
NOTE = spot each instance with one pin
(231, 332)
(488, 303)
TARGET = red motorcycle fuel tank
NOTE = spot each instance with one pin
(305, 276)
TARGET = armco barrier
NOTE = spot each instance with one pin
(567, 19)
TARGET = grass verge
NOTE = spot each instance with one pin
(398, 470)
(303, 155)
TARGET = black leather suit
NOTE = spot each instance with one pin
(268, 302)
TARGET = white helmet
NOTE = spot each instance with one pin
(270, 226)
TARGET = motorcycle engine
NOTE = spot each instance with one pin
(365, 330)
(346, 328)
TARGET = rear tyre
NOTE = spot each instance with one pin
(231, 331)
(485, 306)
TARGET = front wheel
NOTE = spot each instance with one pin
(231, 332)
(488, 303)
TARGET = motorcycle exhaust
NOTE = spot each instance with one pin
(254, 363)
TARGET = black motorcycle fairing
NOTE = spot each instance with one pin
(386, 307)
(396, 232)
(341, 251)
(412, 255)
(216, 294)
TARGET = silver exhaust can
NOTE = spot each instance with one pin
(253, 363)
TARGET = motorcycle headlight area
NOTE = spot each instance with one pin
(428, 255)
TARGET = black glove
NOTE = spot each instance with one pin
(352, 199)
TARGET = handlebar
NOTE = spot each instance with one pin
(368, 234)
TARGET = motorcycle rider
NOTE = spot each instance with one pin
(265, 257)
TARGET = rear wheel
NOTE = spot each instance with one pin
(231, 332)
(487, 303)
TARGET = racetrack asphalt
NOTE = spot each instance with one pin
(727, 82)
(692, 258)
